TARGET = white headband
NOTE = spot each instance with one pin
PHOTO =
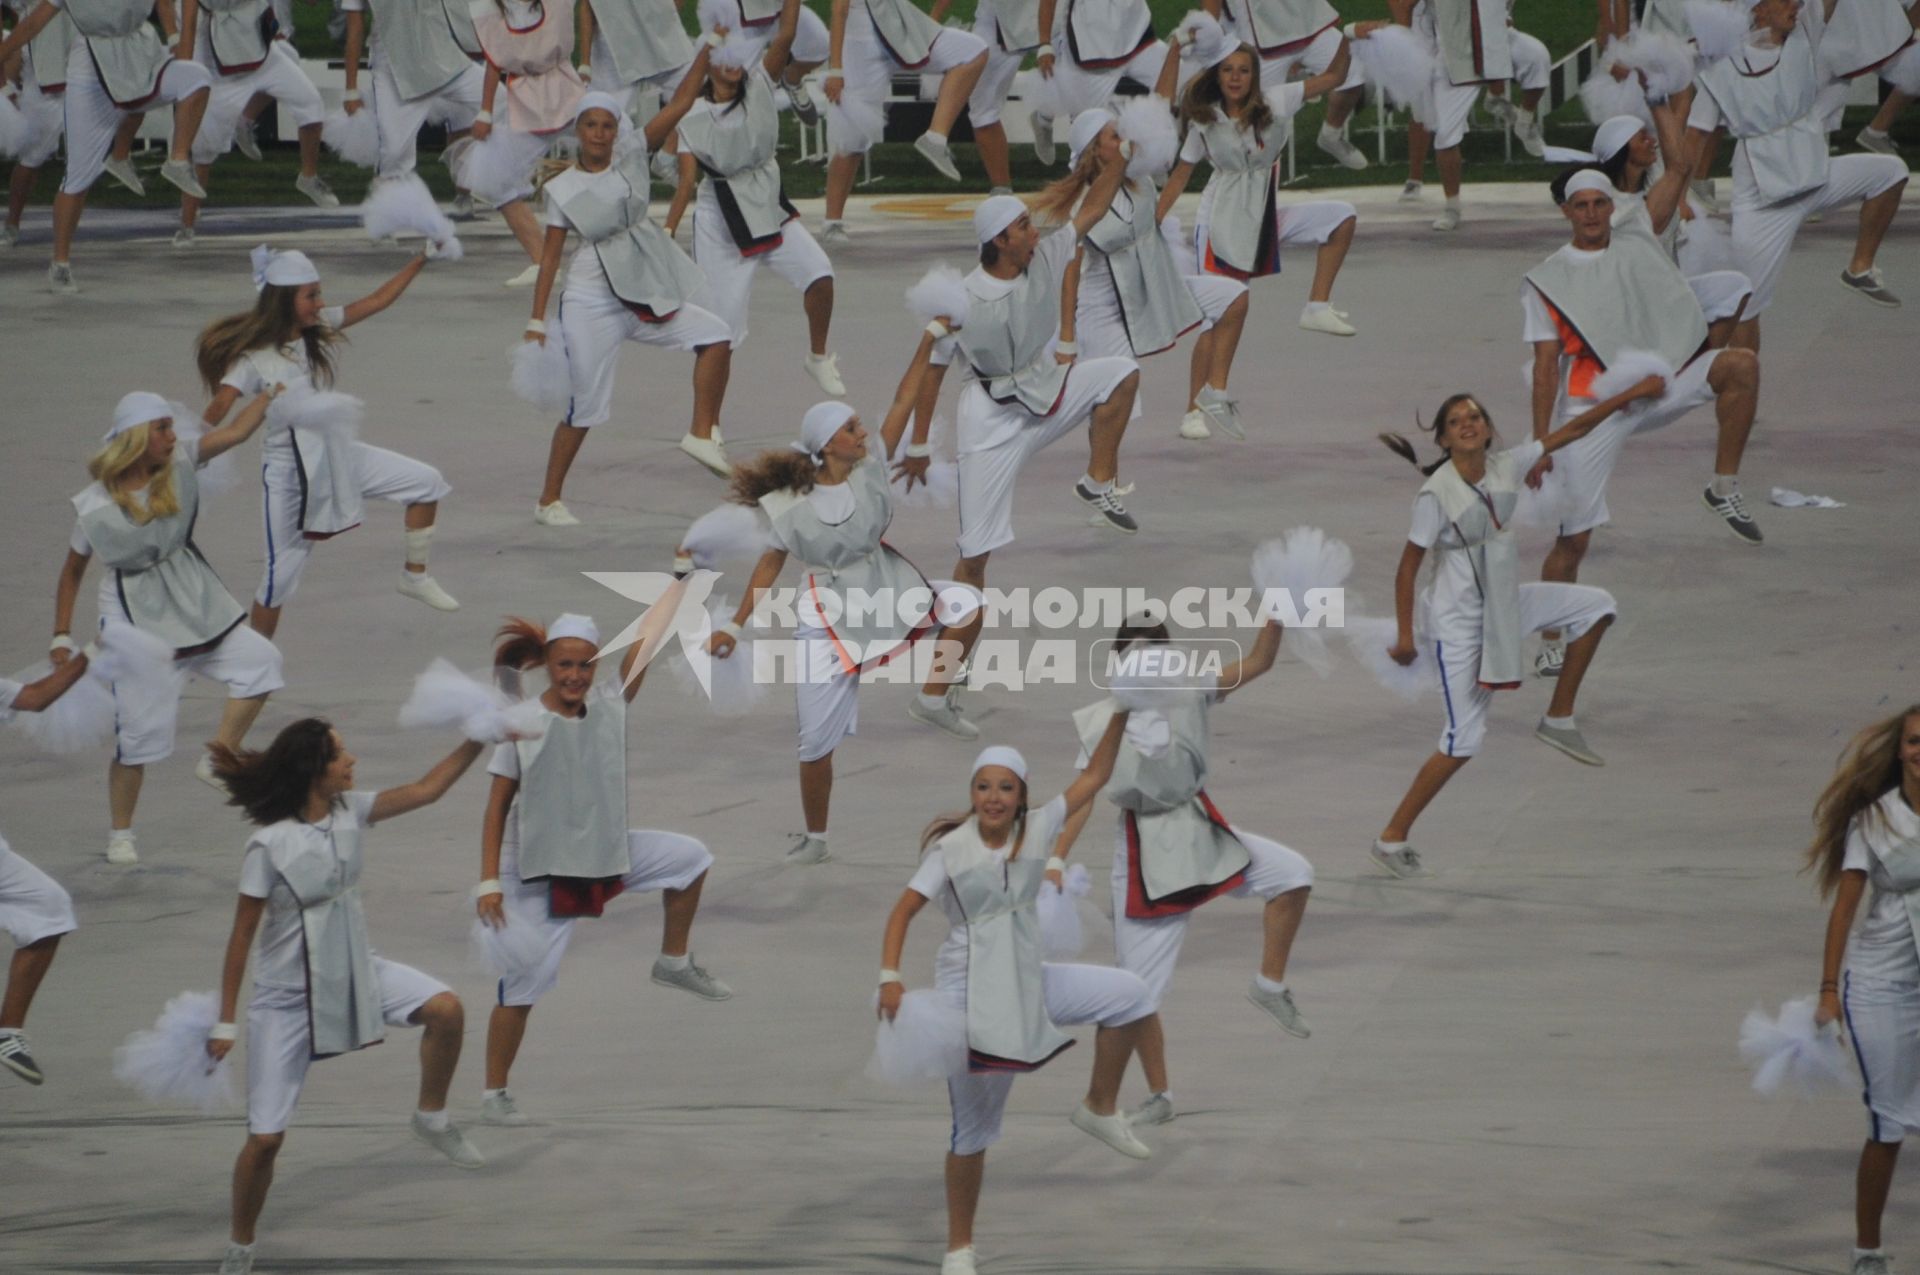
(574, 626)
(1001, 755)
(282, 269)
(994, 215)
(1611, 137)
(820, 424)
(1087, 126)
(138, 408)
(598, 100)
(1587, 179)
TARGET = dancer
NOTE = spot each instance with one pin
(1104, 42)
(828, 502)
(34, 910)
(1173, 851)
(1532, 68)
(319, 989)
(1901, 73)
(245, 64)
(117, 67)
(1469, 56)
(138, 515)
(874, 40)
(42, 79)
(1866, 833)
(425, 62)
(1302, 36)
(1646, 186)
(1028, 390)
(1011, 29)
(985, 871)
(555, 837)
(758, 23)
(315, 480)
(628, 281)
(638, 44)
(1241, 130)
(742, 217)
(1765, 95)
(1477, 607)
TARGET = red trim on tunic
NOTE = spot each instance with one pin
(1142, 908)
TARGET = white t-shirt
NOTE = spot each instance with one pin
(1285, 101)
(1456, 604)
(1537, 322)
(930, 882)
(586, 278)
(1882, 946)
(278, 960)
(257, 371)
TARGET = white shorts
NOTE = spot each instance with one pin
(1313, 57)
(596, 328)
(1082, 88)
(812, 41)
(658, 861)
(280, 77)
(1151, 947)
(1584, 465)
(383, 475)
(1571, 608)
(870, 67)
(987, 477)
(1721, 293)
(1075, 994)
(32, 904)
(799, 260)
(989, 97)
(400, 121)
(1532, 64)
(826, 696)
(1762, 235)
(146, 712)
(1452, 106)
(1884, 1020)
(92, 118)
(280, 1039)
(1313, 221)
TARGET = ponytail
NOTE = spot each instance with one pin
(519, 644)
(778, 470)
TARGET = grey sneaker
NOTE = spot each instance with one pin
(1550, 661)
(316, 189)
(18, 1059)
(947, 717)
(9, 236)
(691, 979)
(1155, 1110)
(120, 850)
(498, 1108)
(1872, 1264)
(1220, 408)
(1402, 860)
(183, 237)
(203, 771)
(238, 1260)
(449, 1142)
(1107, 508)
(179, 173)
(808, 849)
(1344, 152)
(244, 140)
(805, 109)
(122, 171)
(939, 155)
(60, 279)
(1114, 1130)
(833, 232)
(1281, 1006)
(1532, 138)
(1498, 107)
(1732, 507)
(462, 209)
(555, 515)
(959, 1261)
(1044, 149)
(1879, 143)
(1449, 219)
(1568, 741)
(1873, 286)
(1410, 193)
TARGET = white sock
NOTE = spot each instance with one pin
(679, 962)
(1522, 116)
(1559, 723)
(817, 358)
(492, 1093)
(1095, 486)
(1315, 307)
(1268, 986)
(434, 1120)
(817, 836)
(1328, 130)
(1453, 202)
(833, 221)
(938, 139)
(1859, 1253)
(1870, 131)
(932, 701)
(1725, 484)
(120, 834)
(999, 190)
(235, 1246)
(1162, 1093)
(1389, 845)
(418, 543)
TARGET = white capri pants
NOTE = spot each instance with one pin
(827, 697)
(1584, 465)
(1763, 235)
(92, 118)
(1532, 64)
(1571, 608)
(1883, 1018)
(597, 326)
(381, 474)
(870, 67)
(800, 260)
(1081, 88)
(1313, 221)
(987, 477)
(33, 906)
(280, 1039)
(1151, 947)
(45, 120)
(1452, 107)
(1315, 56)
(658, 861)
(400, 120)
(1075, 994)
(989, 97)
(279, 77)
(145, 712)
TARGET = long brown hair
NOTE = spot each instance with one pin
(1869, 766)
(268, 326)
(1055, 203)
(943, 824)
(273, 785)
(1204, 102)
(776, 470)
(1400, 447)
(112, 463)
(519, 644)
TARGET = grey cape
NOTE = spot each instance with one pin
(571, 810)
(1156, 306)
(125, 50)
(644, 266)
(343, 995)
(734, 147)
(1770, 110)
(644, 36)
(1483, 519)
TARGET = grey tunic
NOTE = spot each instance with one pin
(48, 52)
(1107, 33)
(343, 996)
(1019, 24)
(1008, 337)
(1893, 835)
(1484, 522)
(1243, 230)
(233, 33)
(1768, 105)
(1473, 40)
(330, 499)
(125, 50)
(907, 31)
(644, 266)
(644, 36)
(571, 810)
(1861, 35)
(1275, 25)
(1156, 305)
(420, 45)
(734, 146)
(1630, 296)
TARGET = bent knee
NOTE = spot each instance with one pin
(442, 1011)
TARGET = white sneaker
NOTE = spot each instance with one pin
(9, 236)
(183, 237)
(1194, 426)
(807, 849)
(244, 140)
(1498, 107)
(60, 279)
(825, 371)
(498, 1108)
(1220, 408)
(708, 452)
(179, 173)
(1281, 1006)
(449, 1142)
(939, 155)
(1879, 143)
(554, 515)
(947, 717)
(1550, 661)
(1401, 860)
(1044, 148)
(691, 978)
(833, 232)
(316, 189)
(960, 1261)
(238, 1260)
(203, 771)
(122, 171)
(1327, 320)
(1155, 1110)
(1344, 152)
(120, 851)
(421, 588)
(1449, 219)
(1527, 128)
(1112, 1130)
(1410, 193)
(1872, 1264)
(525, 279)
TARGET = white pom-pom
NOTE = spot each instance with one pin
(1147, 122)
(727, 533)
(1719, 28)
(1394, 58)
(1211, 42)
(1061, 935)
(1629, 368)
(218, 476)
(1666, 62)
(319, 411)
(1303, 559)
(926, 1041)
(45, 118)
(941, 293)
(1139, 691)
(1708, 244)
(854, 124)
(540, 373)
(1790, 1052)
(79, 720)
(403, 205)
(941, 490)
(1567, 155)
(1371, 637)
(168, 1062)
(1180, 244)
(501, 166)
(448, 249)
(1547, 505)
(715, 14)
(513, 950)
(129, 653)
(445, 698)
(15, 130)
(731, 689)
(354, 138)
(1605, 97)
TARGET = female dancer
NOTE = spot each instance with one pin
(985, 871)
(556, 834)
(1302, 36)
(423, 63)
(315, 480)
(117, 67)
(1174, 851)
(742, 218)
(628, 281)
(1479, 610)
(319, 989)
(138, 515)
(1867, 831)
(1241, 131)
(829, 505)
(42, 79)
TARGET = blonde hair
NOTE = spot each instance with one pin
(1054, 204)
(123, 453)
(1869, 767)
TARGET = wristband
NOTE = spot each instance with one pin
(1066, 347)
(536, 326)
(731, 629)
(919, 451)
(223, 1031)
(834, 73)
(1044, 51)
(1056, 864)
(890, 976)
(490, 886)
(713, 39)
(586, 72)
(483, 117)
(91, 651)
(62, 642)
(937, 329)
(351, 95)
(1830, 985)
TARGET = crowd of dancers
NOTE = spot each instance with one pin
(1651, 309)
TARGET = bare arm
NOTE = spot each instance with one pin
(1582, 425)
(551, 250)
(1405, 579)
(1070, 831)
(1045, 24)
(25, 29)
(905, 396)
(1099, 197)
(37, 696)
(583, 40)
(1255, 662)
(893, 943)
(1665, 196)
(169, 22)
(834, 83)
(66, 591)
(493, 831)
(1087, 784)
(1401, 11)
(222, 402)
(1069, 300)
(1546, 385)
(233, 969)
(240, 428)
(661, 126)
(1169, 82)
(384, 295)
(1846, 902)
(683, 192)
(1176, 186)
(356, 44)
(489, 85)
(765, 572)
(429, 788)
(189, 23)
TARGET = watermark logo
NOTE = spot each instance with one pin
(1194, 664)
(675, 607)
